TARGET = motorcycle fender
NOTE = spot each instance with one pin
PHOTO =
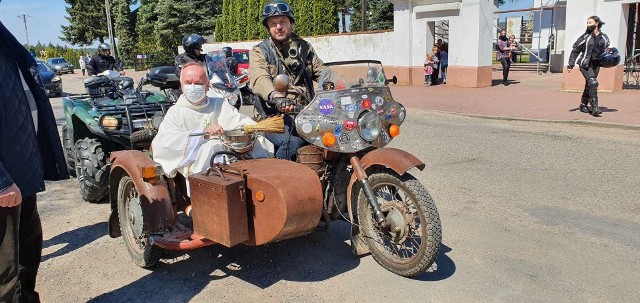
(395, 159)
(157, 207)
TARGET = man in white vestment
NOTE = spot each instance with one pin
(194, 112)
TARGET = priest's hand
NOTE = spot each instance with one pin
(213, 130)
(10, 197)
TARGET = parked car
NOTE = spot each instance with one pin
(60, 65)
(52, 82)
(242, 56)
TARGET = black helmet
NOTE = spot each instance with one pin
(192, 42)
(104, 46)
(610, 57)
(277, 8)
(227, 51)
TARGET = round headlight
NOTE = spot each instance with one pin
(56, 79)
(369, 126)
(109, 122)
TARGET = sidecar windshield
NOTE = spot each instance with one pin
(352, 74)
(218, 72)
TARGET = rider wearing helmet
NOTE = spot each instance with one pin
(103, 61)
(283, 52)
(232, 63)
(192, 45)
(589, 46)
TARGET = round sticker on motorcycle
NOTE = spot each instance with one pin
(326, 107)
(307, 128)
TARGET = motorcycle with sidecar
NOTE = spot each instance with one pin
(345, 173)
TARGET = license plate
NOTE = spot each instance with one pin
(140, 123)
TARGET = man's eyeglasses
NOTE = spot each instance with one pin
(278, 7)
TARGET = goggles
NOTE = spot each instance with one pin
(277, 7)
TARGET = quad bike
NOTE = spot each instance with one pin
(112, 116)
(346, 173)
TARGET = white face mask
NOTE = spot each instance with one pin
(195, 93)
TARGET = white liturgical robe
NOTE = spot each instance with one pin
(176, 151)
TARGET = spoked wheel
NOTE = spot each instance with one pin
(410, 243)
(132, 226)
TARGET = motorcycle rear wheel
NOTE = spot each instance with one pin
(412, 242)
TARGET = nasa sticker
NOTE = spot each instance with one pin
(326, 107)
(307, 128)
(344, 138)
(379, 100)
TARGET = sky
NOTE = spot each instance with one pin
(48, 17)
(44, 25)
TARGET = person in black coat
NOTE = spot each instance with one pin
(30, 152)
(585, 54)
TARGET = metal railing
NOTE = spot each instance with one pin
(632, 70)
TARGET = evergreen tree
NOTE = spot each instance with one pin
(124, 29)
(380, 15)
(145, 27)
(87, 22)
(178, 18)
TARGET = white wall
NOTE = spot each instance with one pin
(612, 12)
(375, 46)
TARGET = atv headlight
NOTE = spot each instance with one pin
(56, 79)
(369, 126)
(109, 122)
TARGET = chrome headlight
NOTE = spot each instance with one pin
(369, 126)
(56, 79)
(58, 67)
(109, 122)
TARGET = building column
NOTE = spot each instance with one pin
(471, 44)
(614, 14)
(401, 47)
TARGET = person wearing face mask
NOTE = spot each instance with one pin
(194, 112)
(283, 52)
(585, 53)
(103, 61)
(504, 56)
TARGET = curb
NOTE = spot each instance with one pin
(524, 119)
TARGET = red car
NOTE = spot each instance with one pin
(242, 56)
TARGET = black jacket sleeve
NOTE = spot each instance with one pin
(5, 179)
(578, 47)
(92, 67)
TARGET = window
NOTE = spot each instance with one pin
(241, 57)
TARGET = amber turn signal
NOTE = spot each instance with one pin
(394, 131)
(109, 122)
(259, 196)
(329, 139)
(152, 172)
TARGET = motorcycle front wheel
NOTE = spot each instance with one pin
(410, 242)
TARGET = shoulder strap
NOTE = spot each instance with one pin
(270, 54)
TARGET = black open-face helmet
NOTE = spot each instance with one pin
(277, 8)
(610, 57)
(192, 42)
(227, 51)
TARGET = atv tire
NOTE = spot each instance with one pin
(69, 150)
(92, 170)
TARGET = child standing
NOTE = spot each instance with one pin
(428, 69)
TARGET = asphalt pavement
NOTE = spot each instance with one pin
(531, 212)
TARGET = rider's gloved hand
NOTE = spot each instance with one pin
(283, 104)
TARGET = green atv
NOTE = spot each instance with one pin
(112, 116)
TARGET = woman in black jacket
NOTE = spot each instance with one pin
(585, 53)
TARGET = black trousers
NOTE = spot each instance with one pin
(506, 65)
(591, 72)
(20, 251)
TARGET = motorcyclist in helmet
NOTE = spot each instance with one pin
(103, 61)
(283, 52)
(192, 45)
(232, 63)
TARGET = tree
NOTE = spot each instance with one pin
(87, 22)
(124, 28)
(178, 18)
(145, 27)
(380, 14)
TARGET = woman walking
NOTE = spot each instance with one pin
(587, 50)
(504, 56)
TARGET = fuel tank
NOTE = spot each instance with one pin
(284, 199)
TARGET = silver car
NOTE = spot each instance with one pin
(60, 65)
